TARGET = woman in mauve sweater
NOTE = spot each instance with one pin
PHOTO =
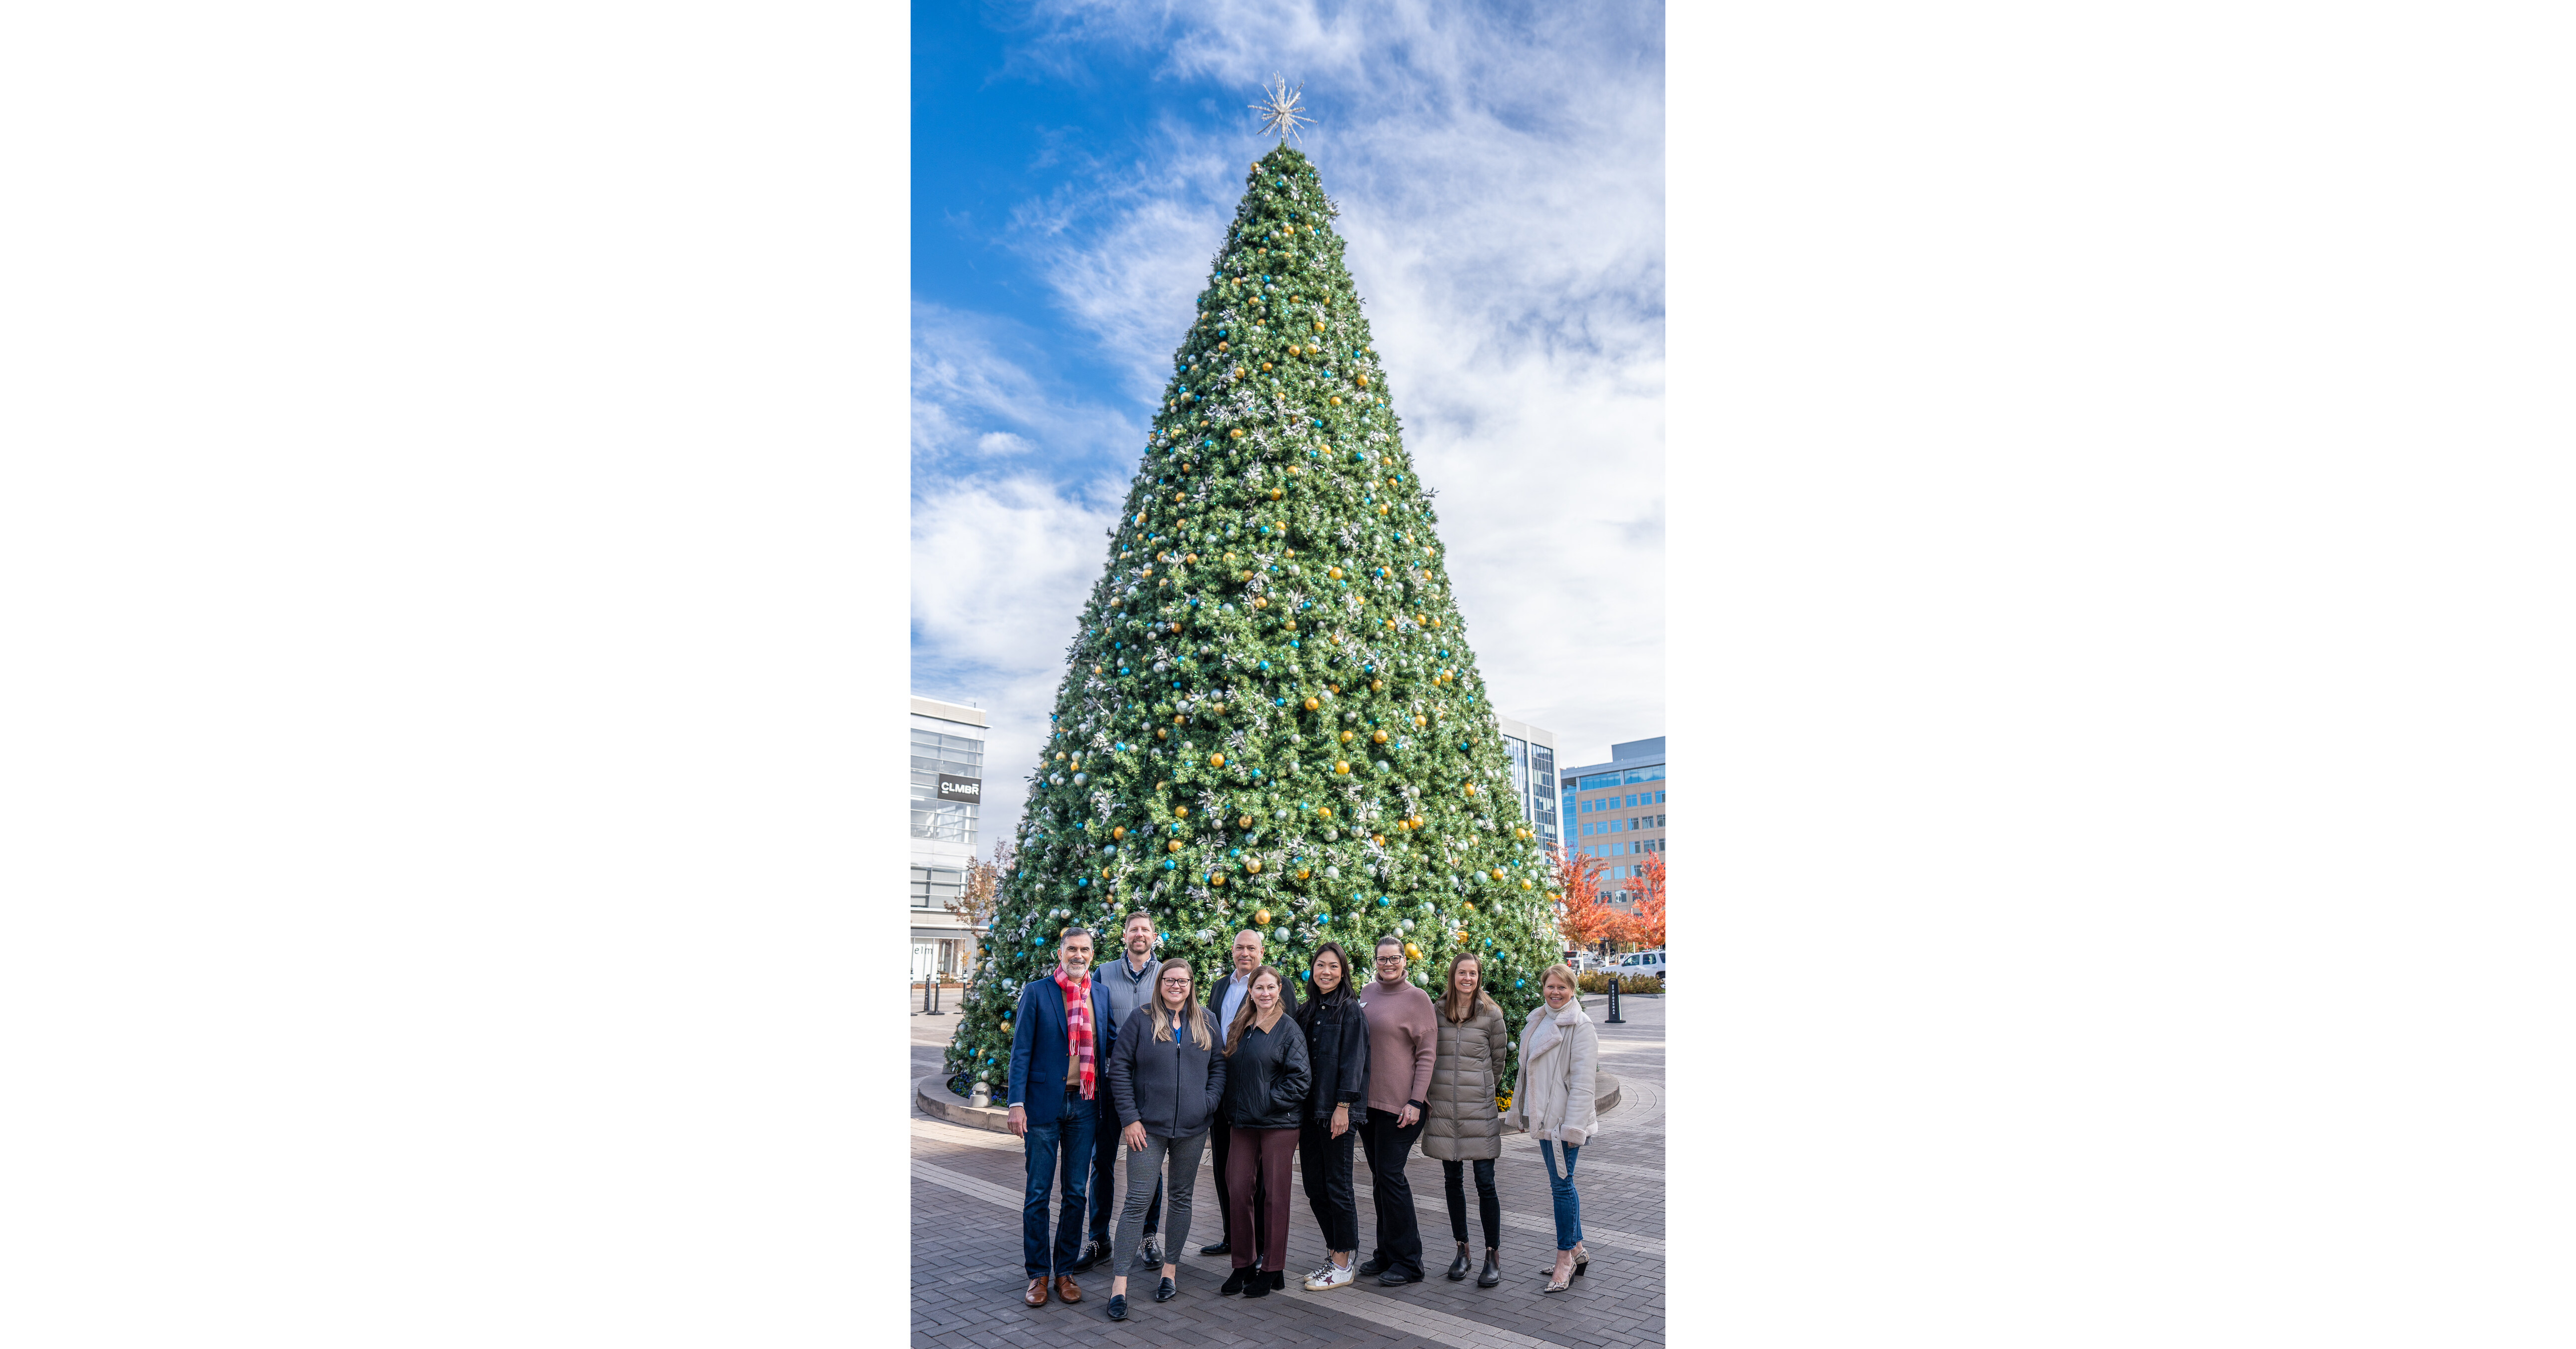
(1404, 1038)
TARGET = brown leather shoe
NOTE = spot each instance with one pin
(1037, 1293)
(1067, 1289)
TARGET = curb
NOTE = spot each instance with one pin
(938, 1102)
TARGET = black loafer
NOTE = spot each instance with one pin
(1118, 1306)
(1396, 1278)
(1091, 1253)
(1234, 1283)
(1372, 1265)
(1257, 1286)
(1166, 1291)
(1217, 1248)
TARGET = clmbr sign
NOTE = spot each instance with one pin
(961, 789)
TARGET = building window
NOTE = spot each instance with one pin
(936, 887)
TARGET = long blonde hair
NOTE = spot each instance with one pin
(1164, 1021)
(1250, 1012)
(1458, 1009)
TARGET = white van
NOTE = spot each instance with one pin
(1640, 965)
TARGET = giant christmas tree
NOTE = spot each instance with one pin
(1271, 718)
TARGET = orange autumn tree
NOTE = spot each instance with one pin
(1589, 917)
(1648, 922)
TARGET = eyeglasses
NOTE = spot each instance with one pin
(1177, 981)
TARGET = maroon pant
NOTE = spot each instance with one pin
(1266, 1151)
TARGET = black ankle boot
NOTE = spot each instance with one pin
(1493, 1271)
(1458, 1268)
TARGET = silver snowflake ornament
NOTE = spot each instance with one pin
(1280, 110)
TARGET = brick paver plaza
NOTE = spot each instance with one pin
(966, 1279)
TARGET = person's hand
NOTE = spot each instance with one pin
(1404, 1118)
(1019, 1120)
(1136, 1136)
(1341, 1120)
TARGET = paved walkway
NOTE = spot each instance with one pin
(966, 1279)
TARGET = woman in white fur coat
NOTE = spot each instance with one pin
(1552, 1100)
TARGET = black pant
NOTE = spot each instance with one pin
(1221, 1143)
(1488, 1208)
(1327, 1163)
(1399, 1235)
(1105, 1155)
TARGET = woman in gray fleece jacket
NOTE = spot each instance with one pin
(1168, 1077)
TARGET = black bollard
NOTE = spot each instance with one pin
(1614, 1002)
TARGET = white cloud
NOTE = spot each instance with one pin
(999, 570)
(1501, 186)
(973, 397)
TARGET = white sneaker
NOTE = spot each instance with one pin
(1329, 1277)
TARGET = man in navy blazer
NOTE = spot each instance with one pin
(1054, 1117)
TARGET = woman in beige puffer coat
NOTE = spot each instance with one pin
(1463, 1128)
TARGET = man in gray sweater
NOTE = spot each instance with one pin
(1129, 982)
(1404, 1040)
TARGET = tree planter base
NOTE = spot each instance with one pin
(938, 1102)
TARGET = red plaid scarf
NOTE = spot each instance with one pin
(1077, 1014)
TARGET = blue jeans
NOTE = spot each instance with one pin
(1569, 1213)
(1059, 1147)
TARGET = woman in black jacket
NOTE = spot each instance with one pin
(1168, 1079)
(1336, 1033)
(1266, 1076)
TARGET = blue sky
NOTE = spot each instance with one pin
(1500, 172)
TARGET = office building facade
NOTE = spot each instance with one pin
(1532, 751)
(947, 751)
(1616, 811)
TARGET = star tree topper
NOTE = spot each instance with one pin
(1280, 111)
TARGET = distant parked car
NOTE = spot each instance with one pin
(1641, 965)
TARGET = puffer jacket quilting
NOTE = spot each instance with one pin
(1466, 1073)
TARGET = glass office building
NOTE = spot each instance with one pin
(947, 744)
(1616, 811)
(1532, 751)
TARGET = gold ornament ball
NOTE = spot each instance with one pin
(1261, 917)
(1175, 845)
(1412, 951)
(1216, 761)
